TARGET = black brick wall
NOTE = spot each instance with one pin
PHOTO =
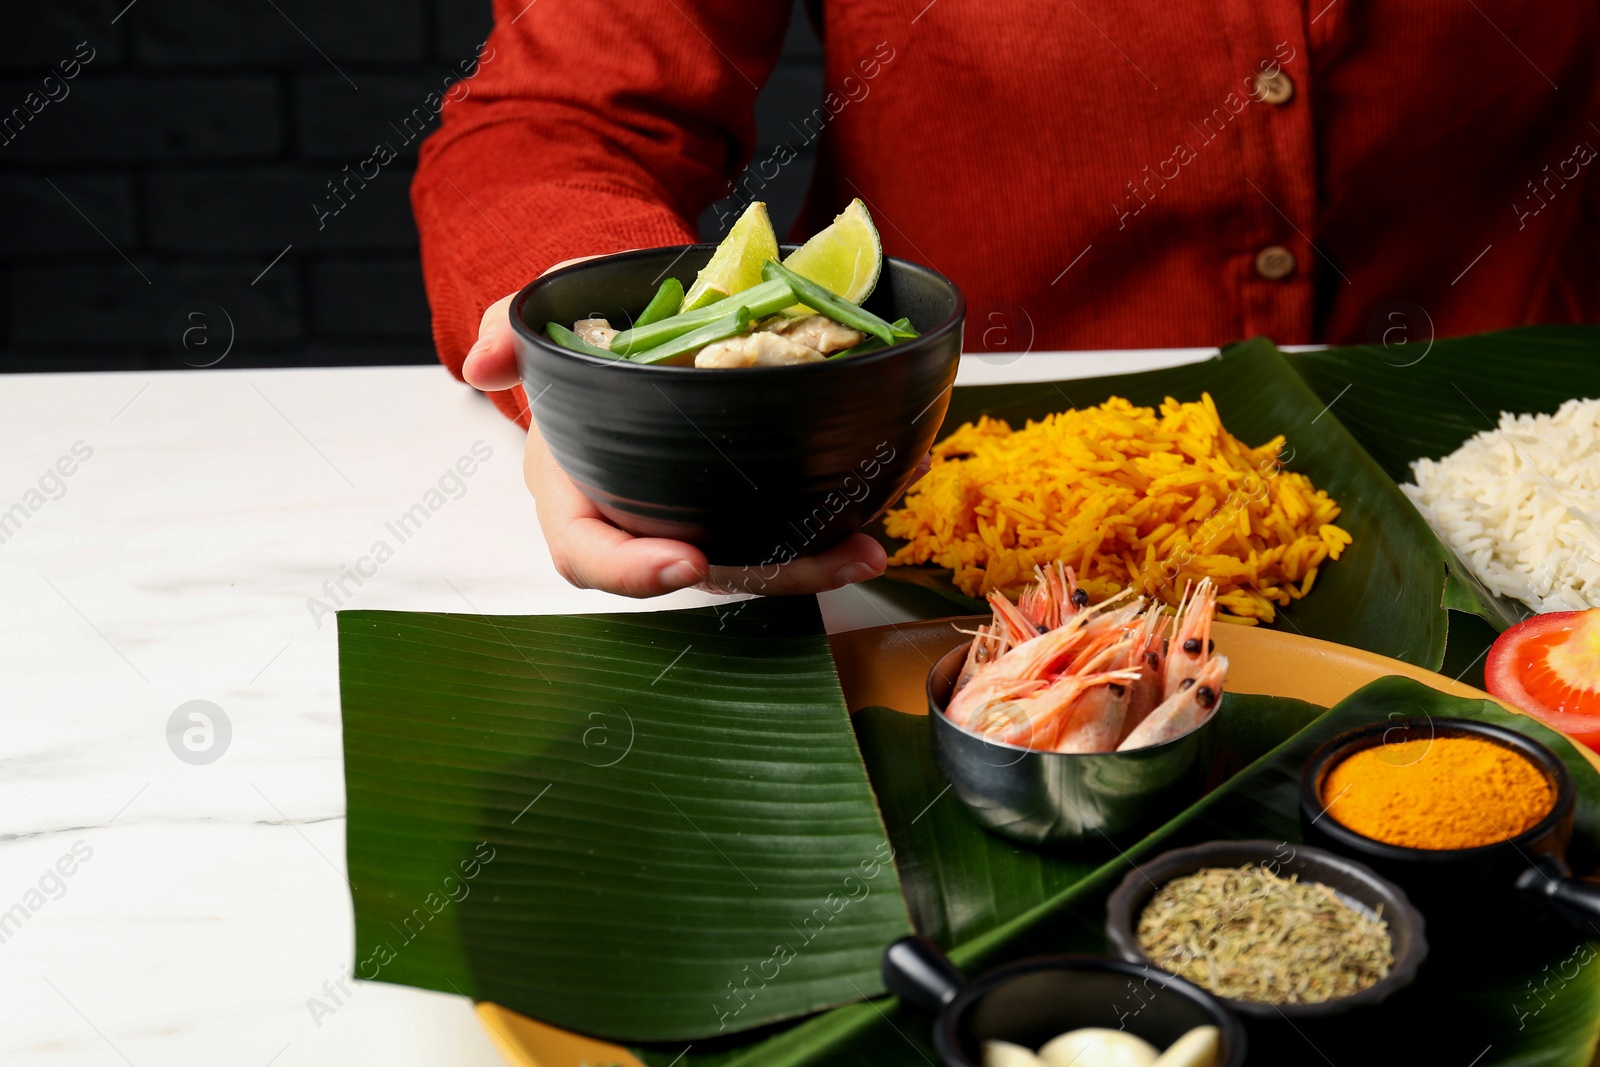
(145, 199)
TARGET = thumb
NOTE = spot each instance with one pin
(491, 362)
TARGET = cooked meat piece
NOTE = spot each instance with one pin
(756, 350)
(597, 332)
(818, 332)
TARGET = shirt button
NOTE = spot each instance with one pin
(1274, 263)
(1274, 88)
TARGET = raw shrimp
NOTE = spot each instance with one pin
(987, 646)
(1053, 598)
(1190, 647)
(1031, 662)
(1053, 673)
(1036, 721)
(1011, 622)
(1184, 711)
(1094, 721)
(1148, 655)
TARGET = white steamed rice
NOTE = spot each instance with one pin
(1521, 505)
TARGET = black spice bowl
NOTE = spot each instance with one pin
(1030, 1002)
(1355, 884)
(1464, 890)
(757, 465)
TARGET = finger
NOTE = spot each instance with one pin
(591, 553)
(491, 362)
(855, 559)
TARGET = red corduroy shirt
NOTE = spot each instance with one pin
(1092, 174)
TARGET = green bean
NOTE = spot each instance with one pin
(765, 299)
(663, 304)
(828, 303)
(722, 328)
(567, 339)
(903, 330)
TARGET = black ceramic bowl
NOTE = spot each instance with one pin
(758, 465)
(1463, 890)
(1034, 1001)
(1063, 798)
(1357, 885)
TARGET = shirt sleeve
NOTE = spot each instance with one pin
(589, 127)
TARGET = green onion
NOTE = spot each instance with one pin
(567, 339)
(663, 304)
(828, 303)
(901, 328)
(871, 344)
(721, 329)
(765, 299)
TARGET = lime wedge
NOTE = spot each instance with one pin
(736, 264)
(845, 258)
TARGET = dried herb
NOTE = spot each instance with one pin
(1248, 934)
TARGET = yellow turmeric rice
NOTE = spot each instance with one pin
(1126, 496)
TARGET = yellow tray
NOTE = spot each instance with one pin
(888, 666)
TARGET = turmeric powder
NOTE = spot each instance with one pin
(1443, 793)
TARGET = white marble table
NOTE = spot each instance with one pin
(158, 910)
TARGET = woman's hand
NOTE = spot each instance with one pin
(591, 553)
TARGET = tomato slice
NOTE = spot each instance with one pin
(1549, 666)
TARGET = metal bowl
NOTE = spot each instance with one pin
(1062, 797)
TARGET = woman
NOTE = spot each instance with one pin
(1098, 175)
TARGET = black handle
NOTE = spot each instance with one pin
(916, 971)
(1574, 899)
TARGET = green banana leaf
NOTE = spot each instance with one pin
(1426, 398)
(646, 827)
(508, 839)
(1386, 594)
(1423, 399)
(1490, 1012)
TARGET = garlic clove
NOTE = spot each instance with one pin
(1005, 1054)
(1198, 1048)
(1098, 1047)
